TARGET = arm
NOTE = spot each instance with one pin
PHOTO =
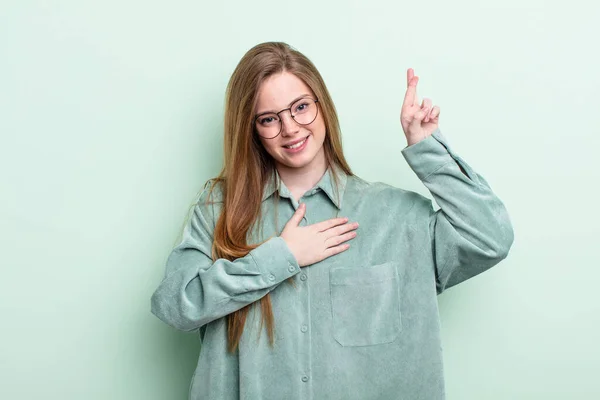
(195, 290)
(472, 231)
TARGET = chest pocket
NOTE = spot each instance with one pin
(365, 303)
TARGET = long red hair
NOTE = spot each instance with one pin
(247, 166)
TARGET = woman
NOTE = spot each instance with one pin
(273, 243)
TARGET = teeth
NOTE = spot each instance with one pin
(295, 146)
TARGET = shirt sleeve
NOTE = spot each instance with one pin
(472, 231)
(196, 290)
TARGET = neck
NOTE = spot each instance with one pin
(300, 180)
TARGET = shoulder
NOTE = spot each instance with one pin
(208, 201)
(382, 192)
(211, 192)
(385, 190)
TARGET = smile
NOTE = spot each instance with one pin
(297, 145)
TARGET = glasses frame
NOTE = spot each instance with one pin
(316, 100)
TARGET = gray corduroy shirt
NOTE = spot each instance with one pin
(362, 324)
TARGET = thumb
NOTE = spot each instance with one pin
(298, 215)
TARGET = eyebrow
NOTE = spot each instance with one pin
(289, 105)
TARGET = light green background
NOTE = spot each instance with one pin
(111, 118)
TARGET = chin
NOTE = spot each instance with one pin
(299, 162)
(294, 163)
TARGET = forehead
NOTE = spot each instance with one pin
(278, 90)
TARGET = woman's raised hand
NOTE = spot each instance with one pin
(313, 243)
(418, 122)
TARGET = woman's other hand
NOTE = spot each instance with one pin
(418, 121)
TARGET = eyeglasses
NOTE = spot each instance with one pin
(304, 111)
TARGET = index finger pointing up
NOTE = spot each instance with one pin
(411, 88)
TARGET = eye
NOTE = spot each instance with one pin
(267, 120)
(302, 107)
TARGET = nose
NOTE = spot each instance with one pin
(288, 125)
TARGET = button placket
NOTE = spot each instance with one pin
(305, 342)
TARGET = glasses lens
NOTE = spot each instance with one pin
(304, 111)
(268, 125)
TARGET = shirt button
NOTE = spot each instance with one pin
(303, 277)
(271, 277)
(304, 378)
(304, 328)
(291, 268)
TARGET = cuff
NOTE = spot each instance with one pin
(428, 155)
(275, 260)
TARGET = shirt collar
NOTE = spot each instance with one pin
(326, 184)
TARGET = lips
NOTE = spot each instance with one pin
(295, 142)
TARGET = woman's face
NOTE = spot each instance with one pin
(277, 93)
